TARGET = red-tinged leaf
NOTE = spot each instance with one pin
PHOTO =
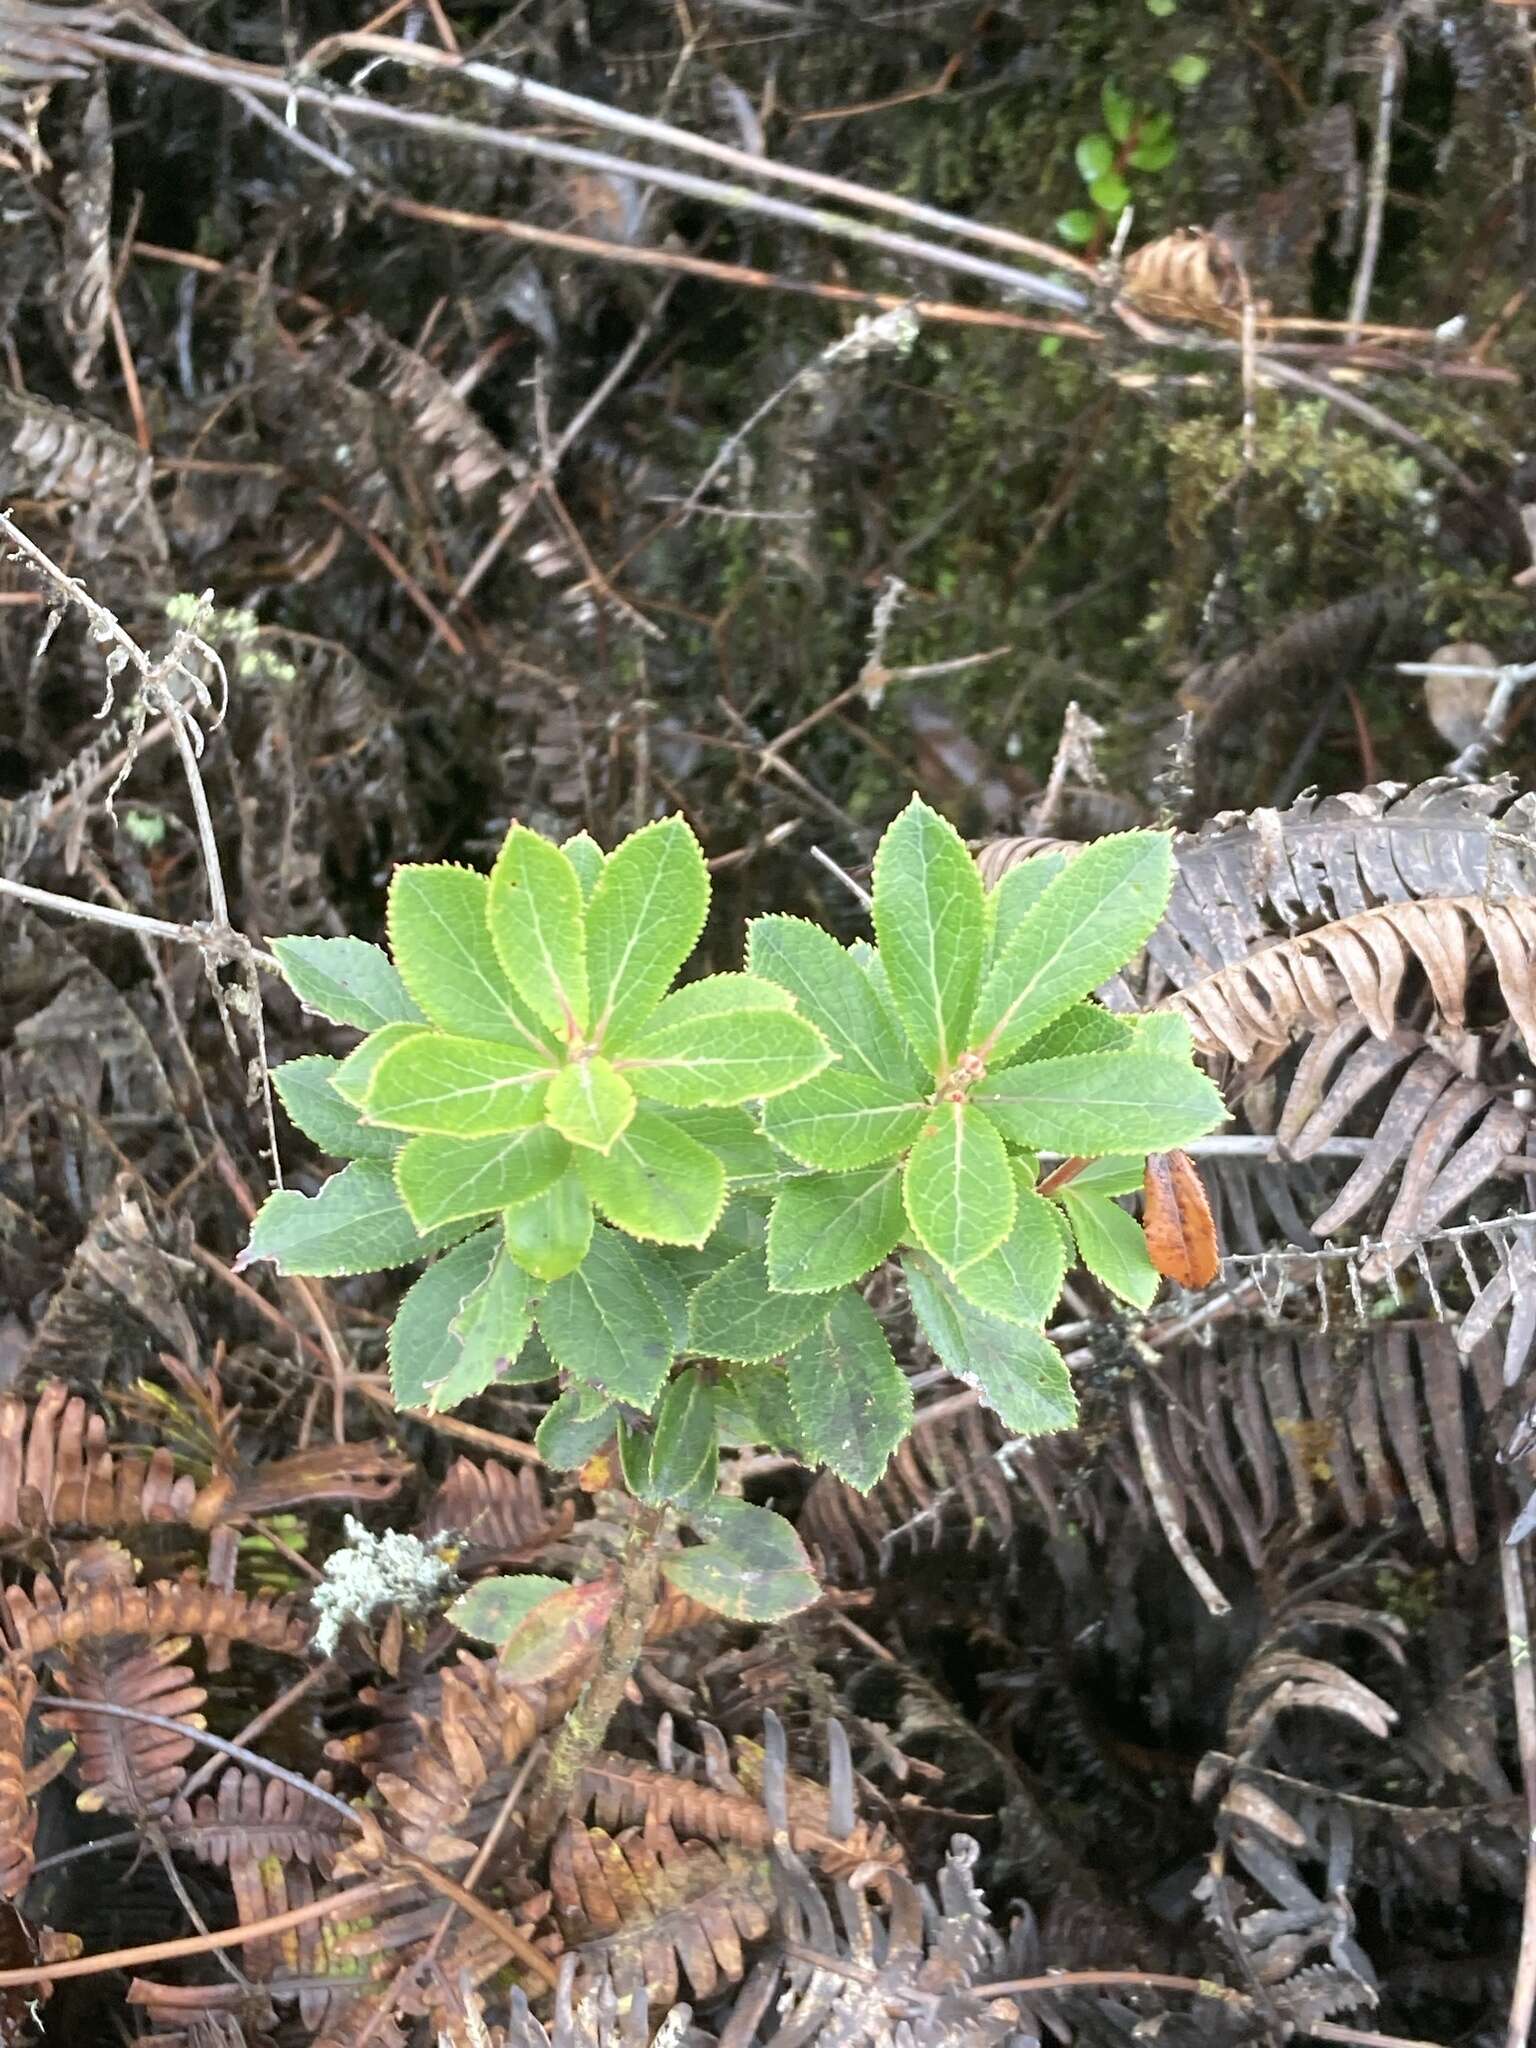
(1177, 1219)
(559, 1634)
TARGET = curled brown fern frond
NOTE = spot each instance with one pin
(497, 1511)
(104, 475)
(57, 1472)
(125, 1766)
(644, 1909)
(246, 1814)
(18, 1816)
(45, 1620)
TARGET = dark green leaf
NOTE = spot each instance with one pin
(841, 1120)
(603, 1324)
(656, 1182)
(493, 1609)
(958, 1187)
(492, 1326)
(357, 1223)
(835, 993)
(683, 1456)
(1111, 1245)
(751, 1566)
(308, 1091)
(735, 1314)
(1021, 1280)
(571, 1432)
(1102, 1102)
(828, 1229)
(423, 1345)
(851, 1399)
(445, 1178)
(1017, 1371)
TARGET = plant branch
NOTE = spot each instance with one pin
(585, 1728)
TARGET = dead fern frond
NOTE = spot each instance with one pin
(104, 475)
(643, 1909)
(125, 1766)
(1190, 274)
(45, 1620)
(246, 1814)
(497, 1511)
(18, 1816)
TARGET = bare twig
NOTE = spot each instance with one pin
(1376, 180)
(1162, 1501)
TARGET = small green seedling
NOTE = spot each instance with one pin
(666, 1197)
(1133, 139)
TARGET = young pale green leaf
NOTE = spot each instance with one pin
(1016, 895)
(492, 1326)
(308, 1092)
(492, 1610)
(1021, 1280)
(709, 1061)
(603, 1323)
(835, 994)
(735, 1314)
(1088, 922)
(828, 1229)
(442, 947)
(958, 1187)
(851, 1399)
(734, 1139)
(424, 1348)
(840, 1120)
(646, 913)
(1111, 1245)
(357, 1223)
(536, 914)
(683, 1456)
(1085, 1027)
(1102, 1102)
(549, 1234)
(750, 1567)
(571, 1432)
(354, 1077)
(931, 927)
(586, 857)
(458, 1087)
(590, 1103)
(347, 980)
(443, 1179)
(656, 1182)
(718, 995)
(753, 1404)
(1017, 1371)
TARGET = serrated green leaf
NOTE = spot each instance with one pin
(1015, 896)
(1017, 1371)
(1117, 1173)
(733, 1138)
(751, 1567)
(458, 1087)
(1085, 1027)
(958, 1187)
(571, 1433)
(683, 1445)
(829, 1229)
(1021, 1280)
(347, 980)
(590, 1103)
(841, 1120)
(717, 1061)
(357, 1223)
(735, 1314)
(656, 1182)
(851, 1399)
(835, 993)
(549, 1234)
(1119, 112)
(354, 1077)
(586, 857)
(667, 1287)
(603, 1324)
(307, 1088)
(1087, 923)
(634, 1446)
(492, 1326)
(495, 1608)
(423, 1345)
(442, 947)
(1102, 1102)
(931, 929)
(1094, 155)
(1111, 1245)
(644, 918)
(536, 914)
(445, 1178)
(1165, 1032)
(754, 1403)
